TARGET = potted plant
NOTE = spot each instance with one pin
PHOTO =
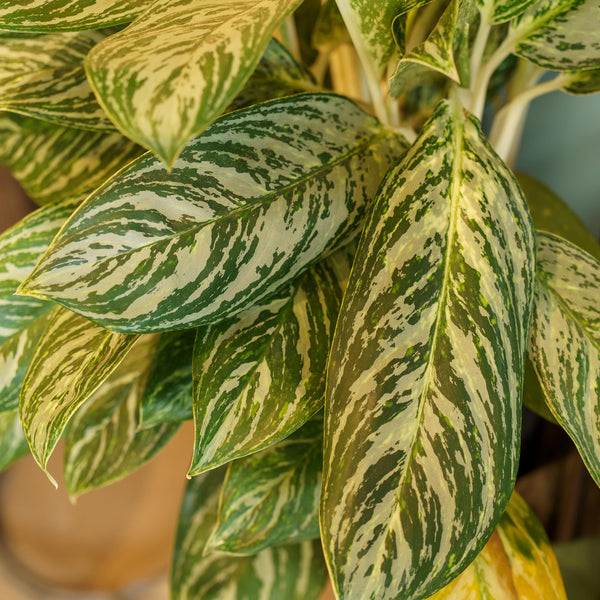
(342, 293)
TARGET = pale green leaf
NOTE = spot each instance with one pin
(292, 572)
(500, 11)
(581, 82)
(72, 358)
(330, 30)
(67, 15)
(517, 563)
(565, 341)
(102, 441)
(261, 195)
(424, 384)
(53, 162)
(13, 444)
(43, 76)
(559, 34)
(261, 375)
(167, 397)
(168, 75)
(272, 497)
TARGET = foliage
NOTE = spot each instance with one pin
(342, 292)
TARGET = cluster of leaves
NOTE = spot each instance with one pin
(345, 304)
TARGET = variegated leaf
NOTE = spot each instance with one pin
(500, 11)
(581, 82)
(261, 195)
(516, 564)
(13, 444)
(168, 393)
(53, 162)
(276, 75)
(168, 75)
(436, 53)
(370, 27)
(425, 375)
(43, 76)
(272, 497)
(292, 572)
(72, 358)
(565, 341)
(330, 30)
(261, 375)
(559, 34)
(102, 442)
(67, 15)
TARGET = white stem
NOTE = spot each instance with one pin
(289, 35)
(479, 47)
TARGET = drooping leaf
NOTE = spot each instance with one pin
(581, 82)
(425, 374)
(517, 563)
(559, 34)
(167, 76)
(436, 53)
(251, 203)
(103, 444)
(564, 345)
(53, 162)
(13, 444)
(276, 75)
(72, 358)
(272, 497)
(43, 76)
(70, 15)
(292, 572)
(261, 375)
(167, 397)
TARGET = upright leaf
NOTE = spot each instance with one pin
(73, 357)
(565, 341)
(516, 564)
(102, 442)
(251, 203)
(500, 11)
(261, 375)
(13, 444)
(559, 34)
(168, 75)
(425, 374)
(293, 572)
(53, 162)
(272, 497)
(42, 76)
(70, 15)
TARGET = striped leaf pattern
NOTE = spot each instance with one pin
(43, 76)
(261, 375)
(67, 15)
(72, 358)
(272, 497)
(565, 341)
(53, 162)
(516, 564)
(168, 393)
(425, 374)
(559, 34)
(103, 443)
(168, 75)
(500, 11)
(13, 444)
(151, 251)
(291, 572)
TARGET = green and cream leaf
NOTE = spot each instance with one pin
(13, 444)
(167, 76)
(581, 82)
(500, 11)
(72, 358)
(103, 443)
(272, 497)
(261, 375)
(70, 15)
(293, 572)
(565, 341)
(425, 375)
(189, 248)
(42, 76)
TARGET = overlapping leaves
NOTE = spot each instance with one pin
(425, 374)
(252, 202)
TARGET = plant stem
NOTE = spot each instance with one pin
(479, 47)
(289, 36)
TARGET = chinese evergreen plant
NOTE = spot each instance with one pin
(342, 293)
